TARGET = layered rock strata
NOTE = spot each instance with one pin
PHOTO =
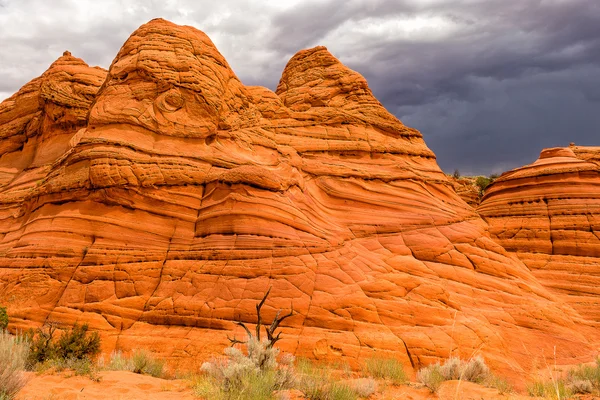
(188, 195)
(548, 214)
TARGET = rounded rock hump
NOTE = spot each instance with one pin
(548, 214)
(188, 196)
(314, 78)
(172, 80)
(37, 122)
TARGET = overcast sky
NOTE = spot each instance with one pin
(489, 83)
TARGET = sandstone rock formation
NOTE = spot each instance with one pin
(188, 195)
(548, 214)
(467, 189)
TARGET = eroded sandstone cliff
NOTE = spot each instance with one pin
(186, 195)
(548, 214)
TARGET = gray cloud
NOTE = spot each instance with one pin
(488, 82)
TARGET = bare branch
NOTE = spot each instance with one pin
(245, 328)
(235, 341)
(258, 307)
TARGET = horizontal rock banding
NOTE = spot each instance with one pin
(548, 213)
(188, 195)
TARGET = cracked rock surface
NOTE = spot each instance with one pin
(159, 201)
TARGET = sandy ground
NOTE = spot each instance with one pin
(113, 385)
(120, 385)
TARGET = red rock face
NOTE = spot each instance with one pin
(467, 189)
(548, 214)
(189, 194)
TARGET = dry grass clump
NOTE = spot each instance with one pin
(585, 379)
(145, 363)
(14, 352)
(386, 368)
(581, 380)
(140, 362)
(501, 385)
(318, 382)
(554, 389)
(431, 377)
(473, 370)
(363, 387)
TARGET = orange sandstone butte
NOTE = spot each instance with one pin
(185, 195)
(548, 214)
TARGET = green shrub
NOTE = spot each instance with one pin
(383, 368)
(74, 344)
(42, 345)
(3, 318)
(14, 352)
(77, 344)
(144, 363)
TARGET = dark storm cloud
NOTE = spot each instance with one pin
(489, 83)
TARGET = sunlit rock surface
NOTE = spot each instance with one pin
(548, 214)
(186, 195)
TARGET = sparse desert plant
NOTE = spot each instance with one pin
(585, 373)
(473, 370)
(321, 382)
(451, 369)
(74, 349)
(501, 385)
(431, 377)
(483, 182)
(581, 387)
(555, 389)
(386, 368)
(254, 375)
(77, 343)
(42, 346)
(14, 351)
(144, 363)
(364, 387)
(119, 362)
(3, 318)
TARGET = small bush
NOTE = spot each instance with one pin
(431, 377)
(3, 318)
(451, 370)
(454, 368)
(581, 387)
(77, 344)
(386, 369)
(74, 344)
(474, 370)
(14, 353)
(583, 373)
(118, 362)
(144, 363)
(42, 345)
(249, 385)
(256, 373)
